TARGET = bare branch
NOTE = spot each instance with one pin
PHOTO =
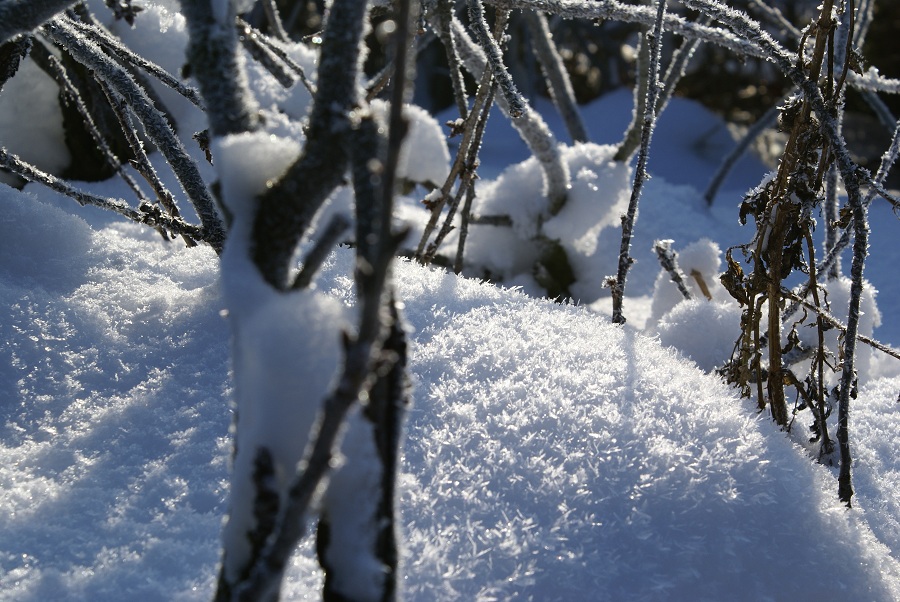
(555, 75)
(155, 125)
(628, 220)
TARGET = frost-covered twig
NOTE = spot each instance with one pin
(155, 125)
(640, 175)
(836, 323)
(557, 79)
(865, 14)
(677, 66)
(23, 16)
(262, 54)
(464, 166)
(873, 81)
(483, 98)
(668, 259)
(52, 66)
(325, 242)
(530, 126)
(146, 214)
(766, 121)
(275, 47)
(11, 55)
(387, 396)
(831, 215)
(632, 138)
(465, 218)
(274, 19)
(466, 184)
(611, 10)
(128, 56)
(776, 17)
(441, 20)
(514, 100)
(141, 160)
(881, 110)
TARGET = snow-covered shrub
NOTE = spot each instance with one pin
(597, 196)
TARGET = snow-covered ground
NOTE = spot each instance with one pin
(549, 455)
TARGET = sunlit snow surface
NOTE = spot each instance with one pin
(548, 453)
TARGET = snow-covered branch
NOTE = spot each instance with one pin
(610, 10)
(558, 83)
(218, 67)
(530, 125)
(514, 99)
(114, 45)
(155, 124)
(287, 210)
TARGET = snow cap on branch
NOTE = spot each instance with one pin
(248, 164)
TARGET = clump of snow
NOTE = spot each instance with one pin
(248, 164)
(597, 197)
(271, 331)
(704, 331)
(700, 261)
(31, 120)
(351, 503)
(424, 157)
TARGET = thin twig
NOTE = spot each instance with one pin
(147, 214)
(628, 220)
(155, 125)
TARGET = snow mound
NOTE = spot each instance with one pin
(551, 454)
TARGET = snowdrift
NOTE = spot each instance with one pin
(549, 454)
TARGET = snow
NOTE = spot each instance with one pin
(424, 157)
(31, 120)
(548, 455)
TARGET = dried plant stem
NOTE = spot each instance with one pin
(468, 175)
(482, 96)
(826, 447)
(465, 217)
(441, 22)
(252, 41)
(274, 20)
